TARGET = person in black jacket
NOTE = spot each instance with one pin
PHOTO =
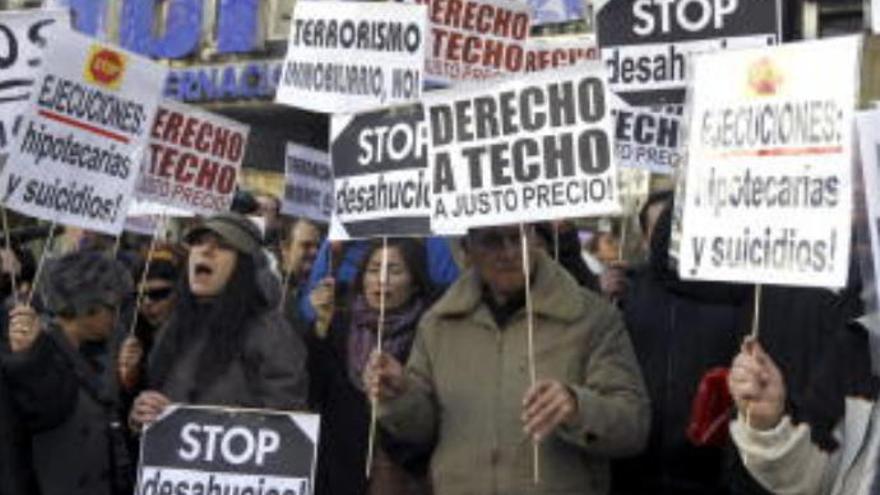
(67, 397)
(680, 330)
(340, 345)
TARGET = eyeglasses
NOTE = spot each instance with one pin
(156, 295)
(496, 239)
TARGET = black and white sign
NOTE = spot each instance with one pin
(23, 37)
(647, 139)
(532, 149)
(202, 450)
(560, 51)
(647, 44)
(353, 56)
(308, 183)
(380, 167)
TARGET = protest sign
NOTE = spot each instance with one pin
(23, 37)
(532, 149)
(353, 56)
(194, 159)
(647, 139)
(875, 16)
(647, 44)
(634, 186)
(205, 450)
(768, 190)
(77, 154)
(308, 184)
(472, 40)
(559, 51)
(381, 173)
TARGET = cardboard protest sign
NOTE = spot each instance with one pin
(353, 56)
(472, 40)
(647, 139)
(532, 149)
(559, 51)
(768, 191)
(647, 44)
(308, 184)
(381, 173)
(77, 154)
(194, 159)
(23, 37)
(212, 450)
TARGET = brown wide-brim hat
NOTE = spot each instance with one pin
(236, 230)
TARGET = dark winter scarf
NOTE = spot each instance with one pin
(398, 334)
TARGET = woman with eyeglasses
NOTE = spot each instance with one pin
(341, 342)
(226, 342)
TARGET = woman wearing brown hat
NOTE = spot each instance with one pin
(226, 342)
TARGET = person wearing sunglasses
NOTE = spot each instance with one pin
(65, 394)
(467, 382)
(158, 296)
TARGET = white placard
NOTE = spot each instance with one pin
(560, 51)
(353, 56)
(76, 158)
(23, 37)
(768, 190)
(194, 159)
(476, 40)
(308, 183)
(532, 149)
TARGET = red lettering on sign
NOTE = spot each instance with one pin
(172, 130)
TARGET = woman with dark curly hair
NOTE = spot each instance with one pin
(226, 342)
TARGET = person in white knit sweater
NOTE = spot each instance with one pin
(780, 454)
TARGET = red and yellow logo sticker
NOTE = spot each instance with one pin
(765, 78)
(105, 67)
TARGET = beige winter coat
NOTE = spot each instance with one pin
(467, 379)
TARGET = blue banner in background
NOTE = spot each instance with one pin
(556, 11)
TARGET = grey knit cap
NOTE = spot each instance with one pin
(236, 230)
(79, 281)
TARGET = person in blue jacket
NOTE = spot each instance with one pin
(442, 268)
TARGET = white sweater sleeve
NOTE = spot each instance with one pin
(783, 459)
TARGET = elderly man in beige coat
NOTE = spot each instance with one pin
(467, 384)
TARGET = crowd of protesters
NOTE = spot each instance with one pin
(646, 384)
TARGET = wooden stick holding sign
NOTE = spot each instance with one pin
(530, 335)
(160, 226)
(42, 262)
(117, 243)
(556, 241)
(8, 240)
(383, 281)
